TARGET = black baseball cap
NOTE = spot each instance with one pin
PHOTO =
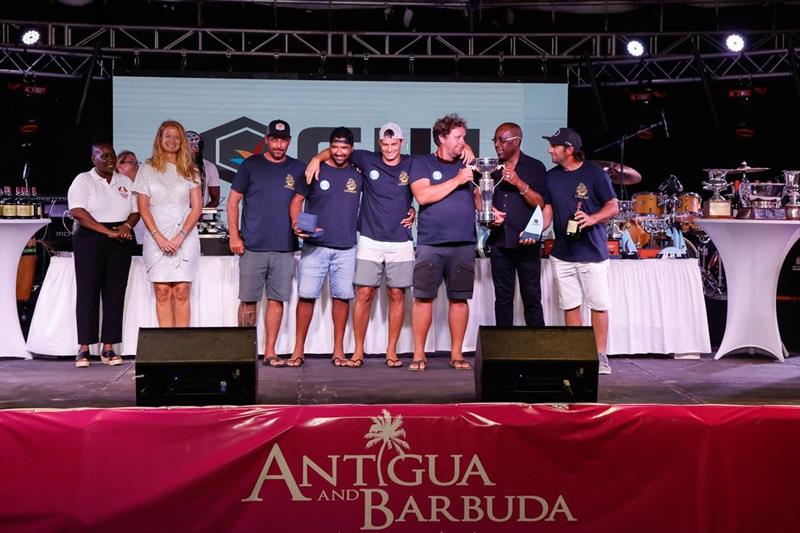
(342, 134)
(565, 137)
(279, 128)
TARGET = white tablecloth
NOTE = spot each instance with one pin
(657, 307)
(14, 233)
(752, 252)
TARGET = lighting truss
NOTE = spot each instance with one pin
(671, 57)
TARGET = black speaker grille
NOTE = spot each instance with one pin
(193, 345)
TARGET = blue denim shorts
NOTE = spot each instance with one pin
(318, 261)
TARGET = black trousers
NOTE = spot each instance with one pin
(507, 263)
(101, 269)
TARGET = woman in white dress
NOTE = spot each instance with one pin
(170, 203)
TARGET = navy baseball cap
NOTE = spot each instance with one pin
(279, 128)
(342, 134)
(565, 137)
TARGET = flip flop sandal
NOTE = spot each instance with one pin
(460, 364)
(418, 365)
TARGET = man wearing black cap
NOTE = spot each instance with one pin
(266, 242)
(331, 252)
(517, 195)
(583, 192)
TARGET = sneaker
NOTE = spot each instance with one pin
(82, 360)
(603, 367)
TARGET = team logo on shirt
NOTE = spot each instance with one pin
(374, 174)
(123, 191)
(581, 192)
(289, 183)
(436, 175)
(324, 185)
(350, 186)
(403, 178)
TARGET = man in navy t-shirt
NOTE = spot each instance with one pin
(447, 197)
(266, 242)
(334, 199)
(517, 195)
(580, 189)
(384, 242)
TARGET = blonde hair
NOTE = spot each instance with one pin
(184, 164)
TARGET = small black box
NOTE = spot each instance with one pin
(536, 365)
(214, 245)
(196, 366)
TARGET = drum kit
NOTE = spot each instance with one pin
(652, 219)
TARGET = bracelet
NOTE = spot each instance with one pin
(183, 233)
(154, 233)
(129, 226)
(523, 193)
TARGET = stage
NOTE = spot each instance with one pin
(741, 380)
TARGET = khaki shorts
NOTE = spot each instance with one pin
(578, 280)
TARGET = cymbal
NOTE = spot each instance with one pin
(741, 170)
(621, 175)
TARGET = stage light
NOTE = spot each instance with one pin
(31, 37)
(408, 15)
(635, 48)
(735, 42)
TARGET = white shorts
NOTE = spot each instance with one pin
(578, 280)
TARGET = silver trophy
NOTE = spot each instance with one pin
(792, 190)
(486, 185)
(716, 206)
(764, 201)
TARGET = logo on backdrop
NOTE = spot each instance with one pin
(396, 469)
(229, 144)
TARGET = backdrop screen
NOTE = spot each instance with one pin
(231, 114)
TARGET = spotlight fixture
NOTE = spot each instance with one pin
(635, 48)
(735, 42)
(31, 37)
(408, 15)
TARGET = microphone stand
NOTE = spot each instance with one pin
(621, 143)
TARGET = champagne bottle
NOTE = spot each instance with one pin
(25, 207)
(573, 227)
(38, 210)
(5, 203)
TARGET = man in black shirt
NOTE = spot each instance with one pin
(517, 196)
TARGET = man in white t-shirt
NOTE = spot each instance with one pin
(208, 170)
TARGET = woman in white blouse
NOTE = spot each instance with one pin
(170, 203)
(104, 208)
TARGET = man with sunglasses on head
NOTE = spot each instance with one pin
(517, 195)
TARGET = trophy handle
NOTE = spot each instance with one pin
(501, 166)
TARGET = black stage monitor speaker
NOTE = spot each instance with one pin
(196, 366)
(536, 365)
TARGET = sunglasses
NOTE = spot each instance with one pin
(501, 140)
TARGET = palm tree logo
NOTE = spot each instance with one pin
(388, 432)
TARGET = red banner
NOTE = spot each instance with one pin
(401, 468)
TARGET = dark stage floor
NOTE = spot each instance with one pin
(750, 380)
